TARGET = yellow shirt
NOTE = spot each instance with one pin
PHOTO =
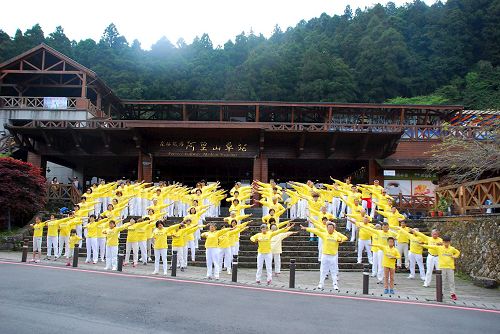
(389, 262)
(392, 218)
(38, 229)
(92, 229)
(402, 237)
(112, 234)
(212, 238)
(447, 255)
(431, 242)
(73, 240)
(264, 240)
(364, 234)
(330, 241)
(160, 237)
(132, 234)
(179, 237)
(53, 226)
(415, 242)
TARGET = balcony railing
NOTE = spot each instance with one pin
(63, 192)
(414, 202)
(471, 196)
(41, 103)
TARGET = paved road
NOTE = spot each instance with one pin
(36, 299)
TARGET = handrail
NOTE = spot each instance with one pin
(64, 192)
(34, 102)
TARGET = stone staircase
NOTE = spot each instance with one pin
(296, 247)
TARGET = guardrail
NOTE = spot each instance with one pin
(39, 103)
(471, 196)
(63, 192)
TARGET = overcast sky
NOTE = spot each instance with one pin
(148, 20)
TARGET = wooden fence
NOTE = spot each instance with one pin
(63, 192)
(471, 196)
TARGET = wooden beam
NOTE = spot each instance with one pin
(40, 72)
(185, 116)
(257, 113)
(261, 141)
(84, 85)
(43, 60)
(48, 140)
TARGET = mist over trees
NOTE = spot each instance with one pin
(447, 53)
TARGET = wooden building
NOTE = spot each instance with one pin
(57, 110)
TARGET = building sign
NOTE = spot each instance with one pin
(206, 148)
(389, 172)
(55, 102)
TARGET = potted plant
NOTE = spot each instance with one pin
(442, 206)
(433, 211)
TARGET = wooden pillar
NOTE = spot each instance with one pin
(257, 113)
(99, 101)
(221, 114)
(293, 114)
(374, 172)
(145, 167)
(84, 85)
(37, 161)
(260, 168)
(329, 116)
(185, 116)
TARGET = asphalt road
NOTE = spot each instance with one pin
(36, 299)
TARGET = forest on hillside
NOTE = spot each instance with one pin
(446, 53)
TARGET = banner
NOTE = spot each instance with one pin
(55, 102)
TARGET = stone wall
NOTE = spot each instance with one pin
(477, 238)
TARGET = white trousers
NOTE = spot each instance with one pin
(431, 263)
(185, 257)
(63, 242)
(374, 209)
(212, 257)
(192, 247)
(226, 258)
(353, 231)
(268, 259)
(79, 230)
(417, 258)
(320, 249)
(366, 245)
(52, 244)
(449, 279)
(403, 250)
(329, 264)
(144, 253)
(377, 265)
(277, 263)
(101, 247)
(111, 257)
(134, 247)
(336, 205)
(235, 249)
(37, 244)
(149, 244)
(163, 253)
(180, 256)
(91, 245)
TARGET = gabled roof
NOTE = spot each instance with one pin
(63, 57)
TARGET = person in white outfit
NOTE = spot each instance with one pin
(276, 248)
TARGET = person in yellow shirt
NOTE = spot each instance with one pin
(432, 256)
(364, 238)
(389, 263)
(276, 247)
(382, 237)
(101, 238)
(91, 239)
(131, 245)
(160, 234)
(446, 258)
(264, 251)
(329, 258)
(226, 239)
(179, 241)
(112, 236)
(212, 251)
(402, 244)
(73, 240)
(394, 218)
(37, 226)
(415, 253)
(64, 233)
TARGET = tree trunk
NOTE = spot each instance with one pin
(9, 227)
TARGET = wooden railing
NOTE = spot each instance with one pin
(409, 132)
(38, 103)
(471, 196)
(414, 203)
(63, 192)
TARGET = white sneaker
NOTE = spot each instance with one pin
(114, 269)
(320, 287)
(229, 272)
(411, 277)
(106, 268)
(165, 273)
(155, 273)
(425, 285)
(335, 287)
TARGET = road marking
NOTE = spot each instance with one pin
(246, 287)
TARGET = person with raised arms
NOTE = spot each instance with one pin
(264, 255)
(391, 254)
(329, 258)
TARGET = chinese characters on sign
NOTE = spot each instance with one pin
(203, 148)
